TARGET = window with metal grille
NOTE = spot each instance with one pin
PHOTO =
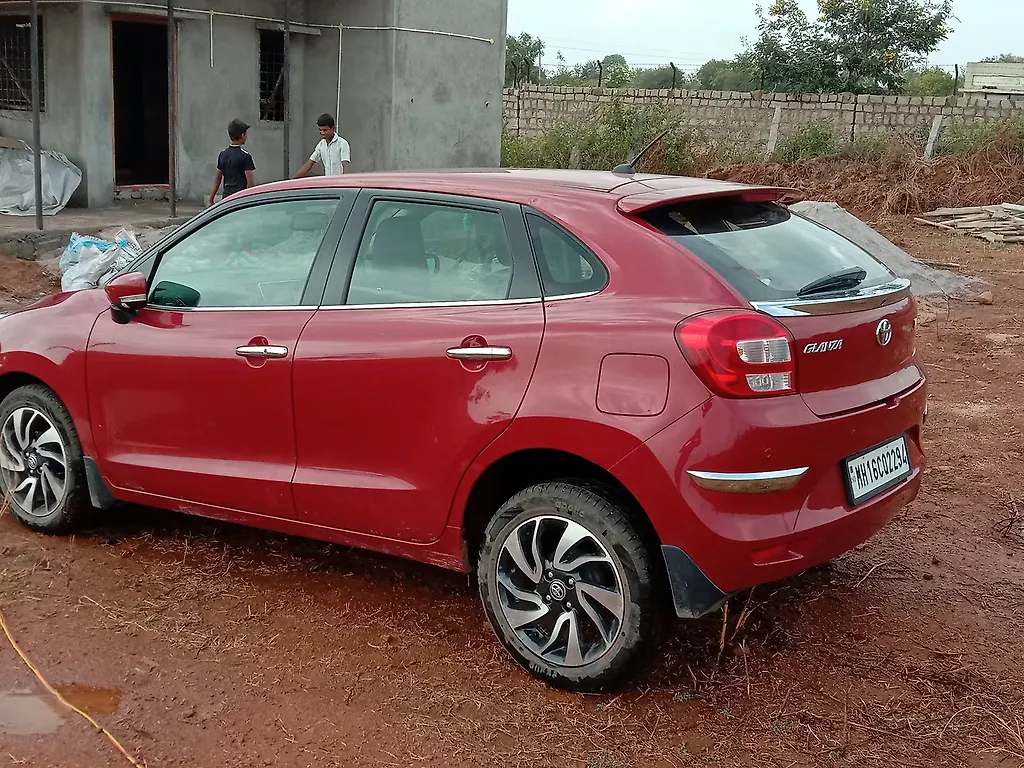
(271, 75)
(16, 63)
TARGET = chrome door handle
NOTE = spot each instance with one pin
(264, 351)
(480, 353)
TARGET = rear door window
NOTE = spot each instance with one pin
(767, 252)
(424, 253)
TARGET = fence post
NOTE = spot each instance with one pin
(933, 137)
(773, 133)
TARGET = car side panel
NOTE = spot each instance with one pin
(50, 345)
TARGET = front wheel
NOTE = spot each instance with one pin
(569, 585)
(42, 474)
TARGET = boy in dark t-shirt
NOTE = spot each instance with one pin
(235, 166)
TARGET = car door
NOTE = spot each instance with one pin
(191, 399)
(419, 358)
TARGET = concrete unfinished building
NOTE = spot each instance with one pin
(420, 85)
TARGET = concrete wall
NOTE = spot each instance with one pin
(366, 81)
(747, 118)
(410, 100)
(210, 97)
(407, 99)
(66, 51)
(447, 95)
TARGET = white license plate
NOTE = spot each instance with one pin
(877, 470)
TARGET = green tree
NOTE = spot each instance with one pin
(1004, 58)
(522, 54)
(859, 46)
(727, 75)
(929, 81)
(658, 78)
(616, 71)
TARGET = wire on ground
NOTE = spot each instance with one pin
(88, 718)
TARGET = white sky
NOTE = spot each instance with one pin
(689, 32)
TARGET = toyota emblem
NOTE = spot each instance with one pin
(558, 591)
(884, 332)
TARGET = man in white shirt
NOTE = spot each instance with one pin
(332, 151)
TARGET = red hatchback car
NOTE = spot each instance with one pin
(609, 395)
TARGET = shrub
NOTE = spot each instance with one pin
(967, 138)
(815, 139)
(611, 136)
(870, 147)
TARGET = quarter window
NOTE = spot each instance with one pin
(414, 253)
(567, 267)
(254, 257)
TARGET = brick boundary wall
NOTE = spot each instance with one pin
(759, 120)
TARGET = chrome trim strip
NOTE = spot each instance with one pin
(411, 305)
(269, 352)
(159, 308)
(135, 298)
(480, 353)
(749, 482)
(878, 296)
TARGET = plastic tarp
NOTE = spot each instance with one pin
(61, 178)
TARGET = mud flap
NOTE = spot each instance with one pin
(99, 493)
(693, 594)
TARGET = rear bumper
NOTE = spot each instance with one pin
(739, 535)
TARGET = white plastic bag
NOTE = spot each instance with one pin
(73, 253)
(92, 265)
(88, 260)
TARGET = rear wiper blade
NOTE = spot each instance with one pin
(844, 279)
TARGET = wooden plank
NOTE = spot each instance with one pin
(940, 212)
(936, 224)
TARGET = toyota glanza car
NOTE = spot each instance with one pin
(613, 397)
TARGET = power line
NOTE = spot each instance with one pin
(656, 52)
(605, 52)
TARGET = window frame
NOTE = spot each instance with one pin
(596, 263)
(24, 18)
(525, 285)
(149, 262)
(277, 117)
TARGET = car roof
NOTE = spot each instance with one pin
(527, 186)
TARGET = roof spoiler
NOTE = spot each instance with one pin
(655, 198)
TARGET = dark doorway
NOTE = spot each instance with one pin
(140, 103)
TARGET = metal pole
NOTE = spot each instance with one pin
(172, 116)
(287, 88)
(37, 157)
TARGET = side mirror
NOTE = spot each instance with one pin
(127, 292)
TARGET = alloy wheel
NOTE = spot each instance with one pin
(34, 462)
(560, 591)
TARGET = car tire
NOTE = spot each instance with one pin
(42, 473)
(569, 585)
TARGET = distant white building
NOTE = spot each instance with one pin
(997, 80)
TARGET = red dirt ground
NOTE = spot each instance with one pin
(215, 645)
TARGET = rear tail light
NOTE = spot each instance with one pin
(740, 354)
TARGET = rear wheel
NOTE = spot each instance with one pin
(568, 585)
(42, 475)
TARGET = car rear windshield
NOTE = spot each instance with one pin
(767, 252)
